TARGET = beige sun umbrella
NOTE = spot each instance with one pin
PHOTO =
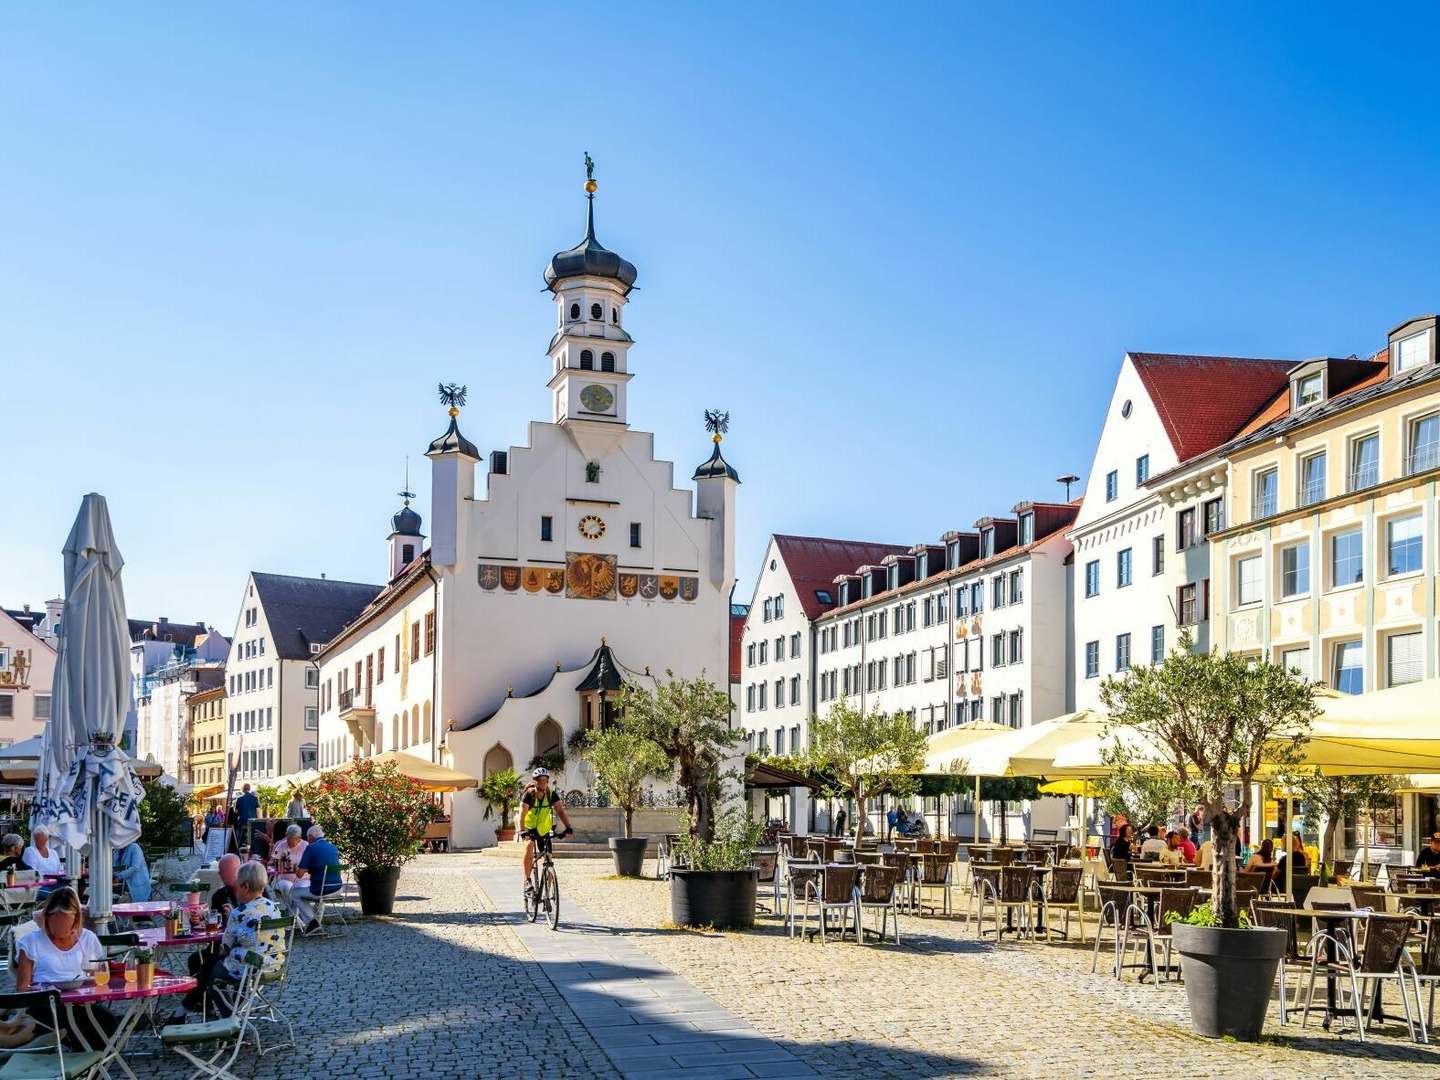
(947, 753)
(427, 774)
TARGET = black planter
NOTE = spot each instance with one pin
(377, 889)
(724, 899)
(629, 855)
(1229, 975)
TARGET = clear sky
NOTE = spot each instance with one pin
(905, 247)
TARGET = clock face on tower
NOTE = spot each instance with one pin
(597, 398)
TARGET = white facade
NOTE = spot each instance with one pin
(577, 539)
(164, 676)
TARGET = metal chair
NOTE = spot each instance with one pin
(835, 891)
(225, 1034)
(798, 875)
(1429, 972)
(48, 1058)
(1017, 890)
(1063, 892)
(1368, 896)
(1174, 904)
(1277, 917)
(768, 865)
(879, 891)
(934, 874)
(1114, 903)
(1382, 957)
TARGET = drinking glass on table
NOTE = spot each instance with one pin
(99, 972)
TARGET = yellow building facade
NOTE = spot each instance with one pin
(207, 738)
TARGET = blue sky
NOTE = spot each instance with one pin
(904, 247)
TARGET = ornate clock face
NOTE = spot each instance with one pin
(591, 527)
(597, 398)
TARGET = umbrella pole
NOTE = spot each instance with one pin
(977, 808)
(1289, 852)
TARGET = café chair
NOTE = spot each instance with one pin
(1383, 956)
(1277, 917)
(45, 1057)
(224, 1035)
(879, 891)
(1062, 892)
(835, 891)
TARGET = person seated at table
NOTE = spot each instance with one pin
(1120, 850)
(1299, 861)
(133, 872)
(1263, 859)
(242, 935)
(40, 856)
(1187, 846)
(224, 901)
(11, 845)
(1428, 861)
(1173, 855)
(319, 854)
(60, 950)
(288, 854)
(1154, 844)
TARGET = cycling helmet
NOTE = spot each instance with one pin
(541, 771)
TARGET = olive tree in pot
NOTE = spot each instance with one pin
(623, 761)
(501, 792)
(689, 721)
(866, 754)
(1216, 719)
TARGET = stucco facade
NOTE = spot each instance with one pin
(27, 672)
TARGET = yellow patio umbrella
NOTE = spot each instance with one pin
(1031, 751)
(1387, 731)
(1069, 787)
(947, 752)
(427, 774)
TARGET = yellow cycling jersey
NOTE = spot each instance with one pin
(537, 814)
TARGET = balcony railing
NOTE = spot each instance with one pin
(1360, 479)
(1263, 507)
(1423, 457)
(354, 699)
(1312, 492)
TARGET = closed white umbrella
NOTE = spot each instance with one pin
(85, 789)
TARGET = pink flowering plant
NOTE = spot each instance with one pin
(373, 814)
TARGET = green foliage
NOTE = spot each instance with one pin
(372, 813)
(1204, 915)
(272, 801)
(689, 720)
(736, 837)
(501, 792)
(554, 760)
(1214, 719)
(1338, 798)
(867, 752)
(623, 761)
(1145, 796)
(165, 823)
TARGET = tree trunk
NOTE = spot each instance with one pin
(1224, 826)
(1327, 842)
(629, 809)
(704, 814)
(859, 797)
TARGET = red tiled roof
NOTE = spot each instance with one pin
(814, 562)
(1204, 400)
(1280, 405)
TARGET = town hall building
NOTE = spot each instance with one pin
(573, 567)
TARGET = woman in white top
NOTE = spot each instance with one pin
(58, 951)
(40, 856)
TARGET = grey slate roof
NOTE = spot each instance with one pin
(303, 611)
(452, 441)
(179, 633)
(716, 466)
(589, 259)
(27, 619)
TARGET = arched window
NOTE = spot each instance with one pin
(497, 759)
(596, 311)
(429, 732)
(379, 738)
(395, 731)
(574, 311)
(607, 361)
(615, 315)
(548, 737)
(587, 360)
(415, 726)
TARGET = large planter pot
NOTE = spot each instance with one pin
(1229, 975)
(503, 836)
(724, 899)
(629, 855)
(377, 889)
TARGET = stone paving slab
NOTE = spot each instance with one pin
(650, 1021)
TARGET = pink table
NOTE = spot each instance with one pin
(148, 909)
(137, 1001)
(155, 937)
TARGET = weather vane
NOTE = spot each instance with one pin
(717, 423)
(453, 395)
(407, 494)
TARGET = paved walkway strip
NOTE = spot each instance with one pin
(651, 1022)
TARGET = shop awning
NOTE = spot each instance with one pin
(427, 774)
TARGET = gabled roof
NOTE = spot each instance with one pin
(302, 611)
(179, 633)
(26, 617)
(1204, 400)
(815, 562)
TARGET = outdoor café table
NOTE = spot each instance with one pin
(138, 1001)
(1332, 919)
(148, 909)
(1150, 894)
(1425, 901)
(156, 937)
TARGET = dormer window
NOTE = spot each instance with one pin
(952, 555)
(844, 593)
(607, 361)
(1309, 389)
(1027, 529)
(587, 360)
(892, 575)
(987, 543)
(1414, 350)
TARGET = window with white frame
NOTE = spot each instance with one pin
(1092, 659)
(1297, 659)
(312, 718)
(1092, 578)
(1404, 658)
(795, 645)
(1142, 469)
(312, 678)
(1312, 479)
(1295, 569)
(1017, 586)
(1267, 493)
(1309, 389)
(1122, 652)
(997, 650)
(1404, 545)
(1157, 644)
(1364, 462)
(997, 591)
(1347, 558)
(1112, 485)
(1347, 667)
(1017, 646)
(1412, 351)
(1424, 449)
(1249, 580)
(1124, 567)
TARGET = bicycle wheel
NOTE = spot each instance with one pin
(532, 901)
(550, 890)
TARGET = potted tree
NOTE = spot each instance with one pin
(689, 721)
(867, 753)
(623, 761)
(1216, 719)
(375, 817)
(501, 792)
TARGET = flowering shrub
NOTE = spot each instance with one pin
(372, 813)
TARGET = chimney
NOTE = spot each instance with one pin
(322, 575)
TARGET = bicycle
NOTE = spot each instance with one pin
(544, 892)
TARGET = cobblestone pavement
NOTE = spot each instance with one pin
(453, 987)
(944, 1004)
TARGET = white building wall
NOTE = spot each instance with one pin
(792, 668)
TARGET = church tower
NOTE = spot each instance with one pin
(406, 539)
(589, 352)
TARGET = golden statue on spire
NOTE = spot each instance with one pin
(589, 174)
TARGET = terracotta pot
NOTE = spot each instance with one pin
(504, 835)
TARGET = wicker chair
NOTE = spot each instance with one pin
(1003, 856)
(925, 846)
(949, 848)
(1120, 870)
(1139, 929)
(1019, 888)
(879, 891)
(1277, 917)
(1255, 880)
(1063, 892)
(835, 891)
(1199, 879)
(815, 852)
(1160, 876)
(1382, 957)
(1368, 896)
(935, 873)
(1429, 973)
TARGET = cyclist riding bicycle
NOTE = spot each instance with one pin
(538, 807)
